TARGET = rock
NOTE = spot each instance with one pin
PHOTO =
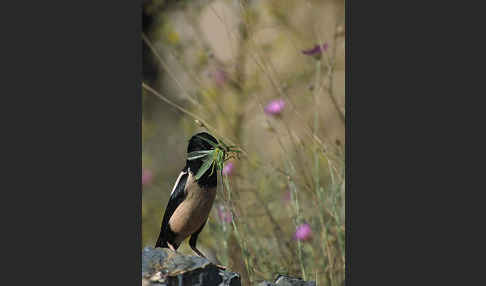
(284, 280)
(161, 266)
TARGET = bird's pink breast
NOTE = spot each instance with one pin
(191, 214)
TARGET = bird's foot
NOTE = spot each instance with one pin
(199, 253)
(222, 267)
(171, 247)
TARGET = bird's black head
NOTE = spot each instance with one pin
(198, 144)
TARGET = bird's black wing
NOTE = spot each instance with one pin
(176, 198)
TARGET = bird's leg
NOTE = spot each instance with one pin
(193, 241)
(194, 248)
(171, 247)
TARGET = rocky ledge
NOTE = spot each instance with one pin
(284, 280)
(161, 266)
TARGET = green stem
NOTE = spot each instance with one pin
(241, 241)
(297, 221)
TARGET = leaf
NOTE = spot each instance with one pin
(205, 166)
(220, 156)
(196, 157)
(212, 168)
(217, 159)
(198, 154)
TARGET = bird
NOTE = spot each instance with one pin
(191, 199)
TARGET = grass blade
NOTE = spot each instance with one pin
(198, 154)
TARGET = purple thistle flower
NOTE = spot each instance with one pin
(146, 176)
(224, 215)
(228, 168)
(219, 77)
(316, 50)
(313, 51)
(303, 232)
(325, 47)
(274, 107)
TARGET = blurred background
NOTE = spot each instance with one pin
(268, 77)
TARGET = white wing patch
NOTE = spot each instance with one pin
(177, 182)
